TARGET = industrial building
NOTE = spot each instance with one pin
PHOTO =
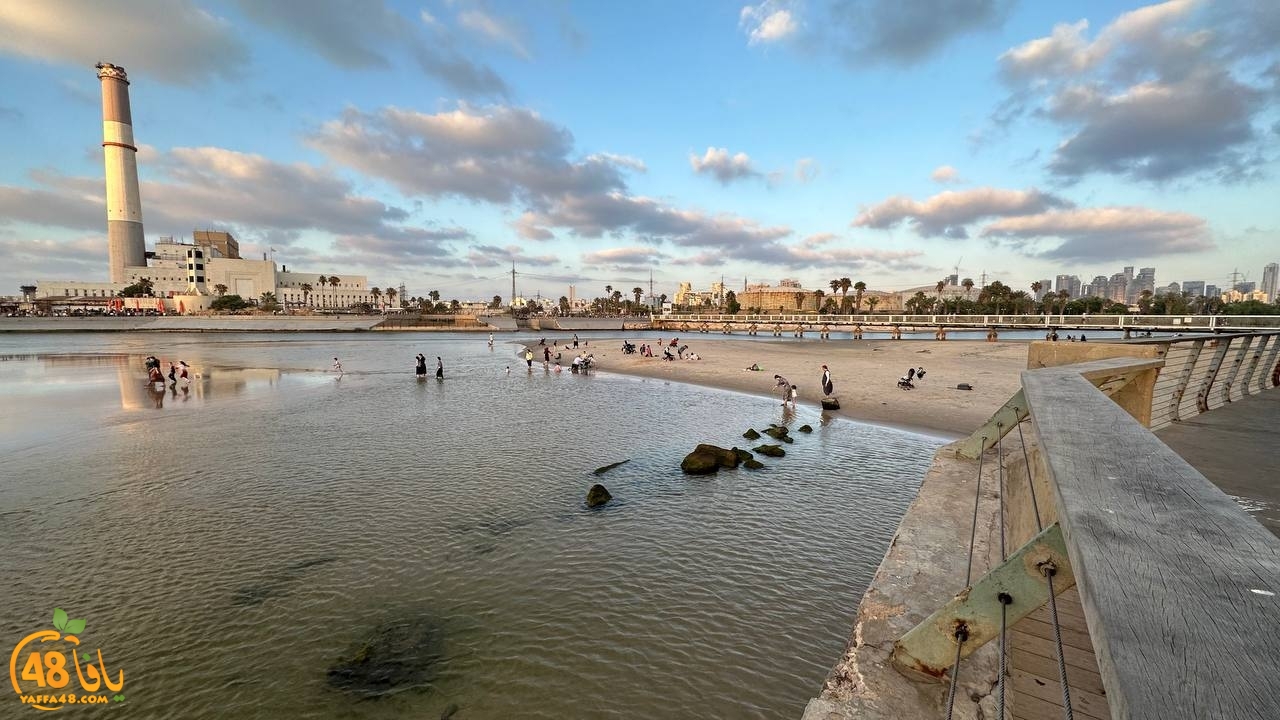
(186, 276)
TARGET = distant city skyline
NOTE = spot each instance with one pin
(436, 143)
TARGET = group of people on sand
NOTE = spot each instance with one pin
(670, 350)
(180, 371)
(790, 393)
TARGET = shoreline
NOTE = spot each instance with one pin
(865, 374)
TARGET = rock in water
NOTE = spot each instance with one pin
(607, 468)
(830, 404)
(770, 450)
(397, 655)
(752, 464)
(806, 428)
(597, 496)
(777, 432)
(751, 434)
(706, 459)
(743, 455)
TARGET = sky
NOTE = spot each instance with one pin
(435, 143)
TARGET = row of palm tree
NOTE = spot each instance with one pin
(842, 285)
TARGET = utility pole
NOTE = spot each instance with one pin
(513, 283)
(650, 287)
(983, 282)
(1235, 278)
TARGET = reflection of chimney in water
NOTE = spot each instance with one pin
(125, 246)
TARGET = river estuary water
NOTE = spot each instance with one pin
(231, 542)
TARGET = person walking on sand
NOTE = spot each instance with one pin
(421, 369)
(337, 366)
(575, 341)
(439, 368)
(827, 387)
(784, 384)
(490, 339)
(182, 371)
(528, 358)
(173, 373)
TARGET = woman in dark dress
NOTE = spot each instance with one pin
(422, 366)
(439, 368)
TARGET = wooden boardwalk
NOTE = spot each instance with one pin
(1033, 666)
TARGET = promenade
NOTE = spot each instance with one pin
(1237, 447)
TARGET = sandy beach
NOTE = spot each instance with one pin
(865, 374)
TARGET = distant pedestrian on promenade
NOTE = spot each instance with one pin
(439, 368)
(827, 387)
(421, 369)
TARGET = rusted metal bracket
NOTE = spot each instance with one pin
(1002, 421)
(930, 647)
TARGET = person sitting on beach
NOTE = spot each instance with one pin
(155, 376)
(675, 342)
(666, 354)
(692, 356)
(755, 367)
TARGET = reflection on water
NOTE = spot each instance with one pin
(278, 543)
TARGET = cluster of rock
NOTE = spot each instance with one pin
(706, 459)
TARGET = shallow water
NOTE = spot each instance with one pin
(230, 540)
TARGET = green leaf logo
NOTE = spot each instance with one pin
(68, 626)
(118, 698)
(86, 657)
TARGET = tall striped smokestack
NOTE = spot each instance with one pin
(125, 246)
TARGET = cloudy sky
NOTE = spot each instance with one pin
(435, 142)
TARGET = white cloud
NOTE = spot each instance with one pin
(807, 169)
(768, 22)
(173, 41)
(1101, 234)
(945, 174)
(497, 30)
(947, 213)
(726, 168)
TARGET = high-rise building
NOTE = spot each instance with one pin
(1212, 291)
(1096, 287)
(1144, 282)
(1193, 288)
(1118, 288)
(1070, 283)
(1245, 287)
(1271, 280)
(1046, 287)
(1171, 289)
(224, 242)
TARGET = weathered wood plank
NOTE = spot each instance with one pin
(1074, 657)
(1180, 587)
(1030, 707)
(1083, 702)
(1044, 667)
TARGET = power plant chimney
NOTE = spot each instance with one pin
(125, 245)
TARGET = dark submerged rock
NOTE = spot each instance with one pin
(751, 434)
(598, 495)
(396, 655)
(806, 428)
(777, 432)
(706, 459)
(752, 464)
(831, 403)
(743, 455)
(607, 468)
(770, 450)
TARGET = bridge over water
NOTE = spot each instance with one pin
(695, 322)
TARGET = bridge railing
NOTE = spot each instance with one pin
(1119, 322)
(1172, 591)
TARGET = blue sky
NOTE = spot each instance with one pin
(434, 143)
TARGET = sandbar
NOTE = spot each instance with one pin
(865, 374)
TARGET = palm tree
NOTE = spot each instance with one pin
(968, 286)
(835, 286)
(637, 292)
(799, 301)
(1035, 290)
(1063, 295)
(872, 302)
(306, 293)
(391, 297)
(333, 283)
(845, 284)
(616, 297)
(376, 293)
(324, 280)
(941, 284)
(434, 295)
(220, 289)
(858, 288)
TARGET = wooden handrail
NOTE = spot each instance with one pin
(1180, 587)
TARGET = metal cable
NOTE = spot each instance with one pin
(1000, 486)
(1031, 483)
(1005, 599)
(962, 634)
(1049, 571)
(973, 534)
